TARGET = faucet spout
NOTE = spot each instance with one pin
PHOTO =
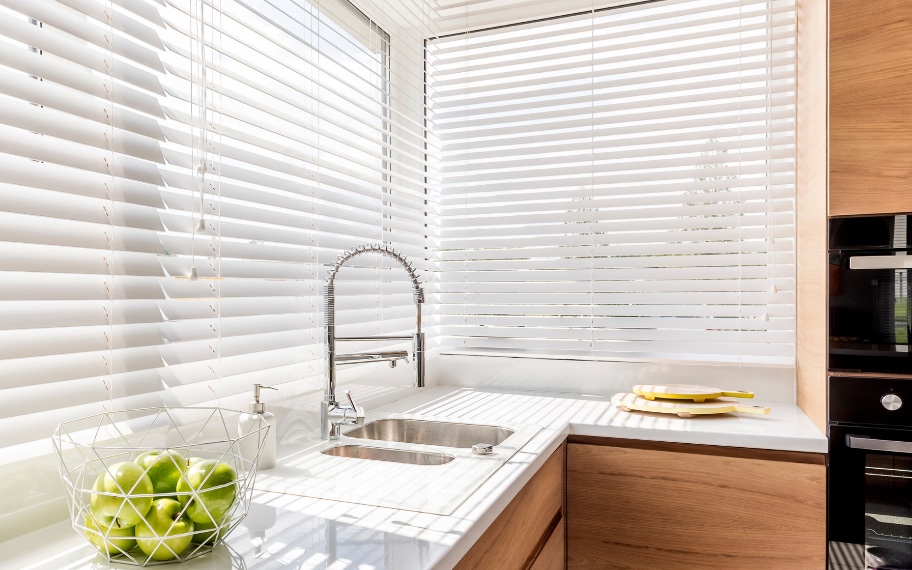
(390, 356)
(329, 308)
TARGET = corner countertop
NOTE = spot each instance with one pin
(284, 530)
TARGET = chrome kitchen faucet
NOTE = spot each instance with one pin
(334, 415)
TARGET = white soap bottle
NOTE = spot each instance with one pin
(251, 421)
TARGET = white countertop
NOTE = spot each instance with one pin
(292, 531)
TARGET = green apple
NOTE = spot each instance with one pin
(206, 532)
(165, 532)
(164, 468)
(202, 505)
(109, 540)
(121, 508)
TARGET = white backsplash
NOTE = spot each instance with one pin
(770, 384)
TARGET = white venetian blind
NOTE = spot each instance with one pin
(79, 202)
(619, 184)
(124, 123)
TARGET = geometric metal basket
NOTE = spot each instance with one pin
(95, 445)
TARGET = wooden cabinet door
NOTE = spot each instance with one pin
(553, 554)
(870, 107)
(529, 529)
(635, 508)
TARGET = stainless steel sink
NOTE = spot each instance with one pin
(427, 432)
(393, 455)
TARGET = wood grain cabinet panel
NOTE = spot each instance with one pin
(870, 107)
(552, 556)
(638, 508)
(811, 209)
(515, 540)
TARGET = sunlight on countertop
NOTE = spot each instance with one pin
(286, 530)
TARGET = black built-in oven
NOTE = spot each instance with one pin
(869, 474)
(870, 263)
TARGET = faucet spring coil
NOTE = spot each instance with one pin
(330, 408)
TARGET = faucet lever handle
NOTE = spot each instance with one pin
(359, 411)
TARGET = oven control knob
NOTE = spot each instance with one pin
(891, 402)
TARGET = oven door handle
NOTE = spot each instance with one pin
(880, 262)
(863, 442)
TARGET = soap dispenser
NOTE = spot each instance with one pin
(251, 421)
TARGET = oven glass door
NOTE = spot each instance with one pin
(888, 510)
(871, 500)
(870, 317)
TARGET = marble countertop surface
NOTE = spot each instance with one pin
(285, 530)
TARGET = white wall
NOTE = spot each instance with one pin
(771, 385)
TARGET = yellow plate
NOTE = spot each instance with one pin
(686, 392)
(628, 401)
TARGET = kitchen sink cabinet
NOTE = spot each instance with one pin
(529, 533)
(636, 504)
(870, 115)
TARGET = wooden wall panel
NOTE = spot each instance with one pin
(811, 190)
(870, 107)
(645, 509)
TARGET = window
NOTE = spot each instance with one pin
(176, 179)
(619, 184)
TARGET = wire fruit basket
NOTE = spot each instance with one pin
(158, 485)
